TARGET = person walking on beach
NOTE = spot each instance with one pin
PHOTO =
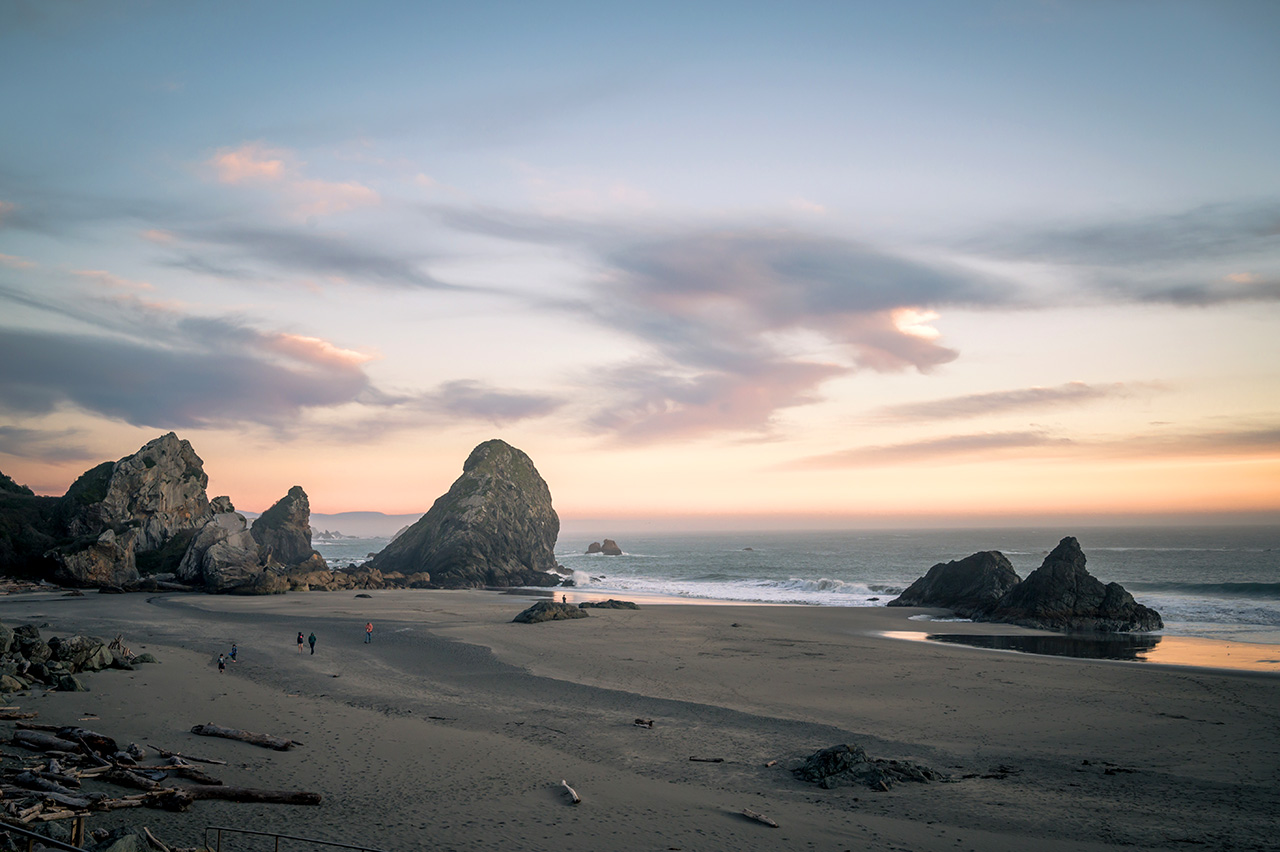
(368, 633)
(222, 664)
(233, 652)
(301, 641)
(312, 640)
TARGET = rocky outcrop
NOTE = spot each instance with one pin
(159, 491)
(7, 485)
(107, 561)
(608, 548)
(495, 527)
(1059, 595)
(222, 556)
(26, 660)
(549, 611)
(283, 532)
(609, 604)
(1062, 595)
(970, 587)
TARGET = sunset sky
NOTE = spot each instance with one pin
(847, 263)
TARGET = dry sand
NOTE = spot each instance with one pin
(454, 728)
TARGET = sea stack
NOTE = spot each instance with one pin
(970, 587)
(495, 527)
(1061, 594)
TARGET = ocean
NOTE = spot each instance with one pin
(1207, 582)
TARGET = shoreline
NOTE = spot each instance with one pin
(454, 728)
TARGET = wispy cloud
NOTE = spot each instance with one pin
(478, 401)
(1000, 402)
(951, 446)
(45, 445)
(281, 171)
(14, 262)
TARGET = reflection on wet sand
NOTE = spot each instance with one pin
(1141, 647)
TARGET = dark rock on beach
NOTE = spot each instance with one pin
(1061, 594)
(609, 604)
(970, 587)
(845, 765)
(495, 527)
(548, 611)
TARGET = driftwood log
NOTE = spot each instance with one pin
(573, 794)
(264, 740)
(41, 741)
(183, 756)
(758, 817)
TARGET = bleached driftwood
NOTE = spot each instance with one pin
(644, 723)
(264, 740)
(191, 773)
(758, 817)
(573, 794)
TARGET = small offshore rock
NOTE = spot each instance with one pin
(609, 604)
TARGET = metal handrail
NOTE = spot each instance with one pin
(35, 835)
(221, 828)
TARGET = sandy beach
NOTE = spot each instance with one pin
(454, 728)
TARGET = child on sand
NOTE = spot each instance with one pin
(222, 664)
(301, 641)
(368, 632)
(232, 655)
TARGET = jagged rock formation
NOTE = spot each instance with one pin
(159, 491)
(608, 548)
(283, 532)
(549, 611)
(222, 556)
(8, 485)
(495, 527)
(970, 587)
(1061, 594)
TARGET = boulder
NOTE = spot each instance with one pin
(608, 548)
(549, 611)
(970, 587)
(284, 531)
(1062, 595)
(81, 653)
(222, 555)
(107, 560)
(495, 527)
(609, 604)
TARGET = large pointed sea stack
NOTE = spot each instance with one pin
(284, 531)
(1061, 594)
(495, 527)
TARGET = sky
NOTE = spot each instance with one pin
(804, 263)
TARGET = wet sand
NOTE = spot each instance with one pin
(454, 728)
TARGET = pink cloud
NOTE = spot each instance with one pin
(320, 197)
(14, 262)
(315, 350)
(251, 162)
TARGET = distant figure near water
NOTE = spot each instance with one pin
(312, 640)
(301, 641)
(368, 633)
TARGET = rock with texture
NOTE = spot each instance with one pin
(970, 587)
(1062, 595)
(222, 556)
(159, 491)
(106, 561)
(284, 531)
(549, 611)
(495, 527)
